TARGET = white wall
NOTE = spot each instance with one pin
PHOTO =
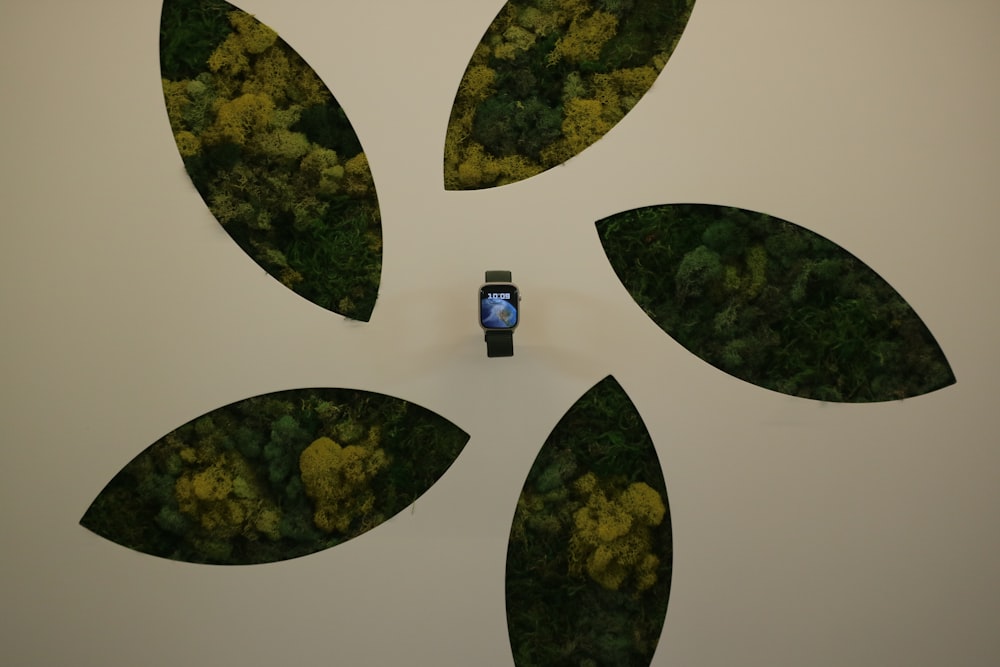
(805, 534)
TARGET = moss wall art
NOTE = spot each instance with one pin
(773, 304)
(275, 477)
(272, 153)
(589, 558)
(551, 77)
(590, 552)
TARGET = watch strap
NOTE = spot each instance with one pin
(498, 276)
(499, 343)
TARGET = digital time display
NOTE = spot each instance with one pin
(498, 306)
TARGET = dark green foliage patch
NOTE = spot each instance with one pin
(590, 551)
(551, 77)
(189, 31)
(233, 487)
(773, 303)
(272, 153)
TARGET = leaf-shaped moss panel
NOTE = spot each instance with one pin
(551, 77)
(272, 153)
(773, 303)
(276, 477)
(590, 551)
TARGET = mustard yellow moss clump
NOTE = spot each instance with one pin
(338, 480)
(255, 92)
(585, 38)
(612, 539)
(249, 62)
(223, 496)
(584, 122)
(620, 90)
(515, 40)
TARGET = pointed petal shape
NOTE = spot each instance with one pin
(272, 153)
(590, 552)
(275, 477)
(549, 79)
(773, 304)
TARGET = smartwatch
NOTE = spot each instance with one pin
(499, 309)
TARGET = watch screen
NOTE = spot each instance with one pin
(498, 306)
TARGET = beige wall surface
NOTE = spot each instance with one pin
(805, 533)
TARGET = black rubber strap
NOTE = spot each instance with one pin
(499, 343)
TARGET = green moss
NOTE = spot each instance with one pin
(589, 557)
(238, 485)
(274, 156)
(560, 76)
(773, 303)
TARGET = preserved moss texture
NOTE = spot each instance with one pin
(551, 77)
(272, 153)
(612, 538)
(275, 477)
(590, 550)
(338, 480)
(773, 303)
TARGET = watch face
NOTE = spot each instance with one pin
(498, 305)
